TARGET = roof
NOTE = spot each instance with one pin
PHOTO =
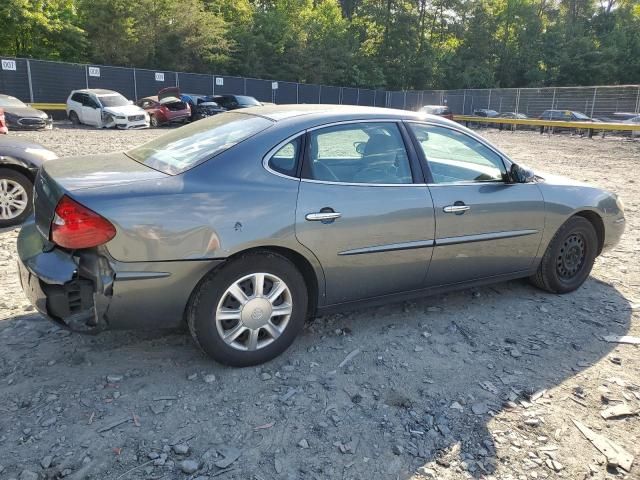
(97, 91)
(283, 112)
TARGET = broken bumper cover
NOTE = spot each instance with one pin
(73, 290)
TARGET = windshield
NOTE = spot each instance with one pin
(114, 100)
(11, 102)
(186, 147)
(243, 100)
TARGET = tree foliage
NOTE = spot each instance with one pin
(395, 44)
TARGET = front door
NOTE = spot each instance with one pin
(91, 111)
(361, 213)
(485, 226)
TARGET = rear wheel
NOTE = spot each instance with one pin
(73, 116)
(569, 258)
(250, 310)
(16, 192)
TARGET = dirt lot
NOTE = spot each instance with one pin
(482, 383)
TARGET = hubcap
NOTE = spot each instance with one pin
(254, 311)
(571, 257)
(13, 199)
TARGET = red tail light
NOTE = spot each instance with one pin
(75, 226)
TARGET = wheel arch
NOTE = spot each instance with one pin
(17, 165)
(598, 224)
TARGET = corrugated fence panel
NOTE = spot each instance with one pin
(287, 92)
(308, 93)
(261, 89)
(366, 97)
(381, 98)
(396, 99)
(330, 95)
(149, 82)
(195, 83)
(349, 96)
(230, 85)
(413, 101)
(113, 78)
(52, 81)
(16, 82)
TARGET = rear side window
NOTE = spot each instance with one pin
(285, 160)
(77, 97)
(184, 148)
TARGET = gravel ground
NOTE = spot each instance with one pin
(481, 383)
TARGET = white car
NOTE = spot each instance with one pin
(104, 109)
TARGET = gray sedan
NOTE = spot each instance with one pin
(244, 224)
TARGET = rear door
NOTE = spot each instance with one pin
(485, 226)
(364, 211)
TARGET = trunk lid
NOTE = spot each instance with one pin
(74, 174)
(169, 92)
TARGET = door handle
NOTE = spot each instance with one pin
(457, 209)
(322, 216)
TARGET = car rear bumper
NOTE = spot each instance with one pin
(88, 291)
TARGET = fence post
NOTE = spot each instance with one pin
(297, 92)
(30, 83)
(213, 84)
(320, 94)
(489, 102)
(464, 100)
(553, 99)
(244, 86)
(404, 104)
(135, 85)
(518, 101)
(86, 76)
(637, 97)
(593, 101)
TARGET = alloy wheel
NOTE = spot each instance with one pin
(254, 311)
(14, 199)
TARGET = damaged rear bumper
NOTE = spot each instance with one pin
(71, 289)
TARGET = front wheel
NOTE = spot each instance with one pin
(73, 116)
(250, 310)
(569, 258)
(15, 197)
(153, 121)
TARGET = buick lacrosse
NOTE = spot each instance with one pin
(245, 224)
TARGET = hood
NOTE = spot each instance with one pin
(550, 179)
(169, 92)
(125, 110)
(102, 170)
(22, 112)
(31, 152)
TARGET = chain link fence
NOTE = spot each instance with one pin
(41, 81)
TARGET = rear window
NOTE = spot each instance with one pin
(184, 148)
(244, 100)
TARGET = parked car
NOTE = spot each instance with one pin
(565, 116)
(485, 112)
(19, 164)
(225, 224)
(616, 117)
(514, 115)
(3, 123)
(166, 107)
(440, 110)
(233, 102)
(635, 121)
(20, 116)
(104, 109)
(202, 106)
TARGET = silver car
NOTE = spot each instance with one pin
(245, 224)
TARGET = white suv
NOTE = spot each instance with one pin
(104, 109)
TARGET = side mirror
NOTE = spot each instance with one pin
(520, 174)
(360, 146)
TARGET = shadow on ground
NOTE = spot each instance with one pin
(425, 381)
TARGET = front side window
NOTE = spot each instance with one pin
(358, 153)
(455, 157)
(184, 148)
(285, 160)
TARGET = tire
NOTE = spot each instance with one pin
(153, 121)
(273, 334)
(73, 116)
(14, 186)
(569, 258)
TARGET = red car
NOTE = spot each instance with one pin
(3, 123)
(166, 107)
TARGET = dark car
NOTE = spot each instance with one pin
(233, 102)
(202, 106)
(565, 116)
(440, 110)
(245, 224)
(20, 116)
(3, 123)
(20, 160)
(485, 112)
(166, 107)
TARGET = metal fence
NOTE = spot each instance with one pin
(41, 81)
